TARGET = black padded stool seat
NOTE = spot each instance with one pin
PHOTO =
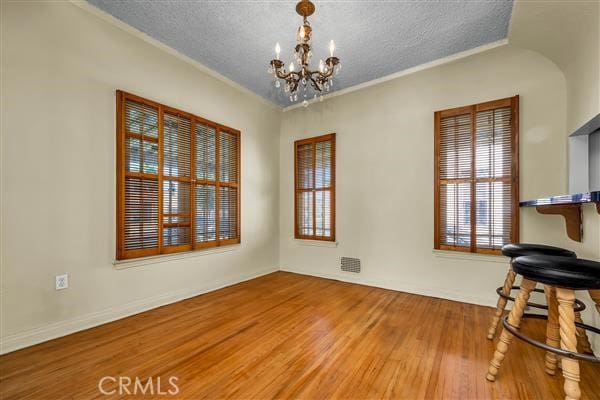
(567, 272)
(513, 250)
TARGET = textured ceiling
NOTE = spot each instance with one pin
(373, 38)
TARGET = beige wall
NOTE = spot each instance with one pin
(385, 148)
(568, 33)
(60, 68)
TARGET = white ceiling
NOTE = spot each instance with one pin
(373, 38)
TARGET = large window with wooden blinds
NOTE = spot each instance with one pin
(178, 180)
(477, 177)
(314, 191)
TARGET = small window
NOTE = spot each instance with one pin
(477, 177)
(315, 188)
(178, 180)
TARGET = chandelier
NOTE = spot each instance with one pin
(320, 80)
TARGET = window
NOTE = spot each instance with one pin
(178, 180)
(477, 177)
(315, 188)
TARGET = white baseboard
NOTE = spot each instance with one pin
(489, 301)
(62, 328)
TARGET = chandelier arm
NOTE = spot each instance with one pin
(284, 76)
(323, 75)
(315, 84)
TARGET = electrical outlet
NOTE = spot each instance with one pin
(62, 281)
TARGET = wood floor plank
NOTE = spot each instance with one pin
(291, 336)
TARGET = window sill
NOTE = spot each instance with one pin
(458, 255)
(316, 243)
(161, 258)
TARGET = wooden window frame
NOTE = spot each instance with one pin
(124, 254)
(512, 102)
(314, 141)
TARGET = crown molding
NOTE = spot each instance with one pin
(409, 71)
(84, 5)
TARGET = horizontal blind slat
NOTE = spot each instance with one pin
(177, 142)
(141, 152)
(205, 202)
(228, 150)
(323, 179)
(140, 229)
(493, 141)
(205, 149)
(228, 196)
(141, 119)
(176, 145)
(141, 214)
(206, 216)
(455, 147)
(455, 214)
(176, 210)
(304, 165)
(304, 202)
(305, 213)
(227, 213)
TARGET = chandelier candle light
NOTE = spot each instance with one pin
(320, 80)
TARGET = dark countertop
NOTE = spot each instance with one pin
(575, 198)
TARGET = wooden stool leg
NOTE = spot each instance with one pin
(514, 318)
(508, 282)
(552, 329)
(595, 295)
(582, 339)
(568, 341)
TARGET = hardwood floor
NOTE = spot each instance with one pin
(292, 336)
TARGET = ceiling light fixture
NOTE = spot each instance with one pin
(321, 79)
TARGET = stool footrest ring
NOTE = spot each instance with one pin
(578, 307)
(557, 350)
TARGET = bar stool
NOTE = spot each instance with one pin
(561, 276)
(514, 250)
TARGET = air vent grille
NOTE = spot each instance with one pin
(351, 264)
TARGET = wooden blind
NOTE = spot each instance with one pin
(177, 185)
(315, 188)
(477, 177)
(206, 185)
(177, 182)
(228, 178)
